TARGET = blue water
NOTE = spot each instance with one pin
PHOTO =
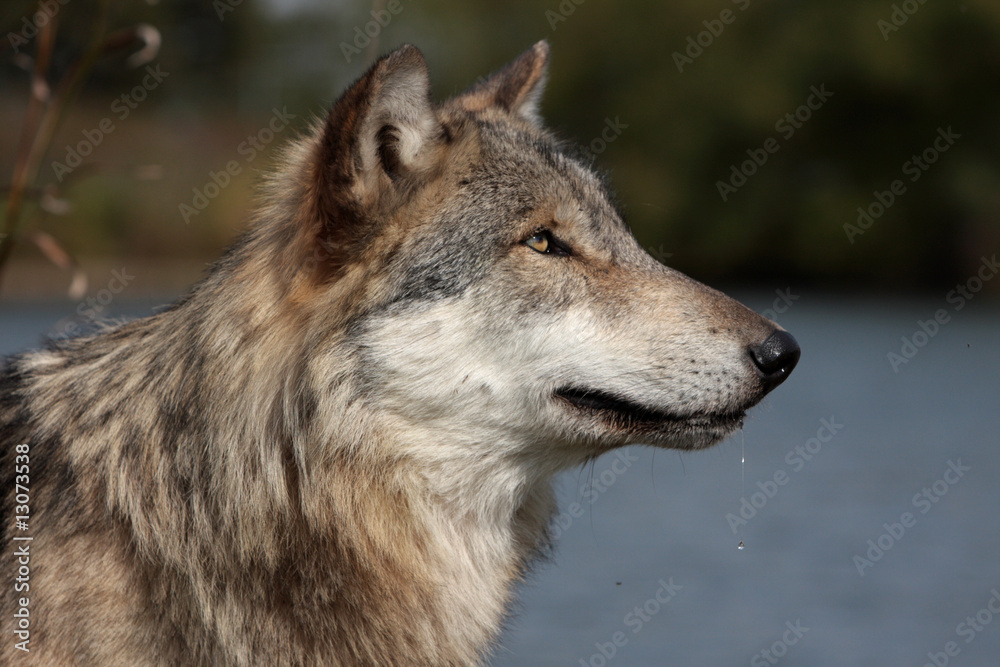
(662, 516)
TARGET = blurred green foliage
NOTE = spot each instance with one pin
(231, 62)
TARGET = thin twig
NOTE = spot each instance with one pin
(28, 164)
(40, 96)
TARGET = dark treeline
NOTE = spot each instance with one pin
(844, 144)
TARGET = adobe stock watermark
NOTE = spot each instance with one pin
(561, 13)
(659, 253)
(121, 108)
(781, 304)
(773, 654)
(635, 620)
(612, 130)
(248, 149)
(915, 167)
(363, 35)
(968, 629)
(20, 456)
(696, 44)
(593, 490)
(927, 329)
(786, 126)
(923, 501)
(91, 309)
(898, 18)
(796, 460)
(30, 27)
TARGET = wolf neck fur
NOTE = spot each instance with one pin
(456, 528)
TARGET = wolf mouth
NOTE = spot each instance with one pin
(623, 411)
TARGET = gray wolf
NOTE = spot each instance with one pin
(338, 448)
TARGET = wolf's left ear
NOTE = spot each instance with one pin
(516, 88)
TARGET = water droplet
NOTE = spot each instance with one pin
(741, 547)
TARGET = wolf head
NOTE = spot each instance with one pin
(494, 299)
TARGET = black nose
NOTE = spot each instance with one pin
(775, 358)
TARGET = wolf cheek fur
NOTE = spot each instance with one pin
(338, 447)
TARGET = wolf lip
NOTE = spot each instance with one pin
(633, 414)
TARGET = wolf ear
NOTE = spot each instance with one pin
(384, 119)
(376, 132)
(517, 87)
(374, 144)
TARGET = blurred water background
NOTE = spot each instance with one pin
(858, 445)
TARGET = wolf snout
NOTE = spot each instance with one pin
(775, 358)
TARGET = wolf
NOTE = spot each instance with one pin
(338, 447)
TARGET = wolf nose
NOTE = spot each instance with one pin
(775, 358)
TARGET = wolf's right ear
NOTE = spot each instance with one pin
(375, 138)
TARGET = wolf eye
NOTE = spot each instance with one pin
(542, 241)
(539, 242)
